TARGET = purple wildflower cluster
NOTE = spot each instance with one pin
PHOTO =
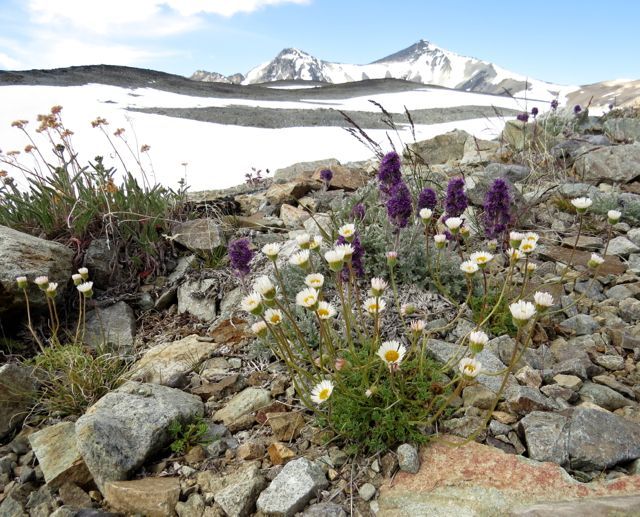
(390, 172)
(456, 200)
(427, 199)
(326, 175)
(554, 104)
(534, 112)
(358, 212)
(400, 205)
(356, 258)
(577, 109)
(497, 209)
(523, 117)
(240, 255)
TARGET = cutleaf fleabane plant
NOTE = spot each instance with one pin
(368, 376)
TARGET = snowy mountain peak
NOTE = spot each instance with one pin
(422, 62)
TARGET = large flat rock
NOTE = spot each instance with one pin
(476, 480)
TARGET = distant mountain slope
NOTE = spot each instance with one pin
(422, 62)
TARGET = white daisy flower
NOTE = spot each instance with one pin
(515, 238)
(265, 287)
(300, 259)
(417, 326)
(527, 246)
(374, 305)
(514, 254)
(303, 240)
(378, 285)
(595, 260)
(581, 204)
(469, 267)
(543, 300)
(315, 242)
(454, 224)
(335, 259)
(531, 267)
(347, 231)
(407, 309)
(307, 298)
(477, 340)
(440, 239)
(315, 280)
(325, 310)
(77, 278)
(273, 316)
(531, 236)
(22, 282)
(86, 289)
(392, 352)
(426, 214)
(469, 367)
(84, 272)
(522, 312)
(392, 257)
(272, 250)
(321, 392)
(482, 258)
(51, 289)
(614, 216)
(259, 328)
(347, 248)
(252, 303)
(42, 282)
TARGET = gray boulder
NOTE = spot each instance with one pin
(24, 255)
(120, 431)
(112, 328)
(546, 436)
(303, 170)
(443, 352)
(199, 235)
(599, 440)
(101, 258)
(17, 392)
(292, 489)
(442, 148)
(623, 129)
(619, 163)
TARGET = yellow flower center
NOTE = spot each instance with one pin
(309, 300)
(391, 356)
(275, 319)
(324, 394)
(323, 312)
(373, 307)
(470, 369)
(481, 260)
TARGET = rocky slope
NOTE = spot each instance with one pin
(564, 440)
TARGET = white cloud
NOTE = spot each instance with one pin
(9, 63)
(147, 17)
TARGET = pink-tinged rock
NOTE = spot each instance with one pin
(479, 480)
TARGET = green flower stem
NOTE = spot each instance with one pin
(345, 313)
(29, 322)
(280, 281)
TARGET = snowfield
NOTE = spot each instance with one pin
(217, 156)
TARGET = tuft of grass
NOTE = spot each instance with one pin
(72, 378)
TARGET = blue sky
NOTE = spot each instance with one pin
(561, 41)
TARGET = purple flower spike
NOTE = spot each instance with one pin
(497, 209)
(577, 109)
(554, 104)
(427, 199)
(240, 255)
(358, 212)
(523, 117)
(390, 172)
(456, 201)
(326, 175)
(400, 205)
(534, 112)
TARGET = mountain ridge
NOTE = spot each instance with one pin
(422, 62)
